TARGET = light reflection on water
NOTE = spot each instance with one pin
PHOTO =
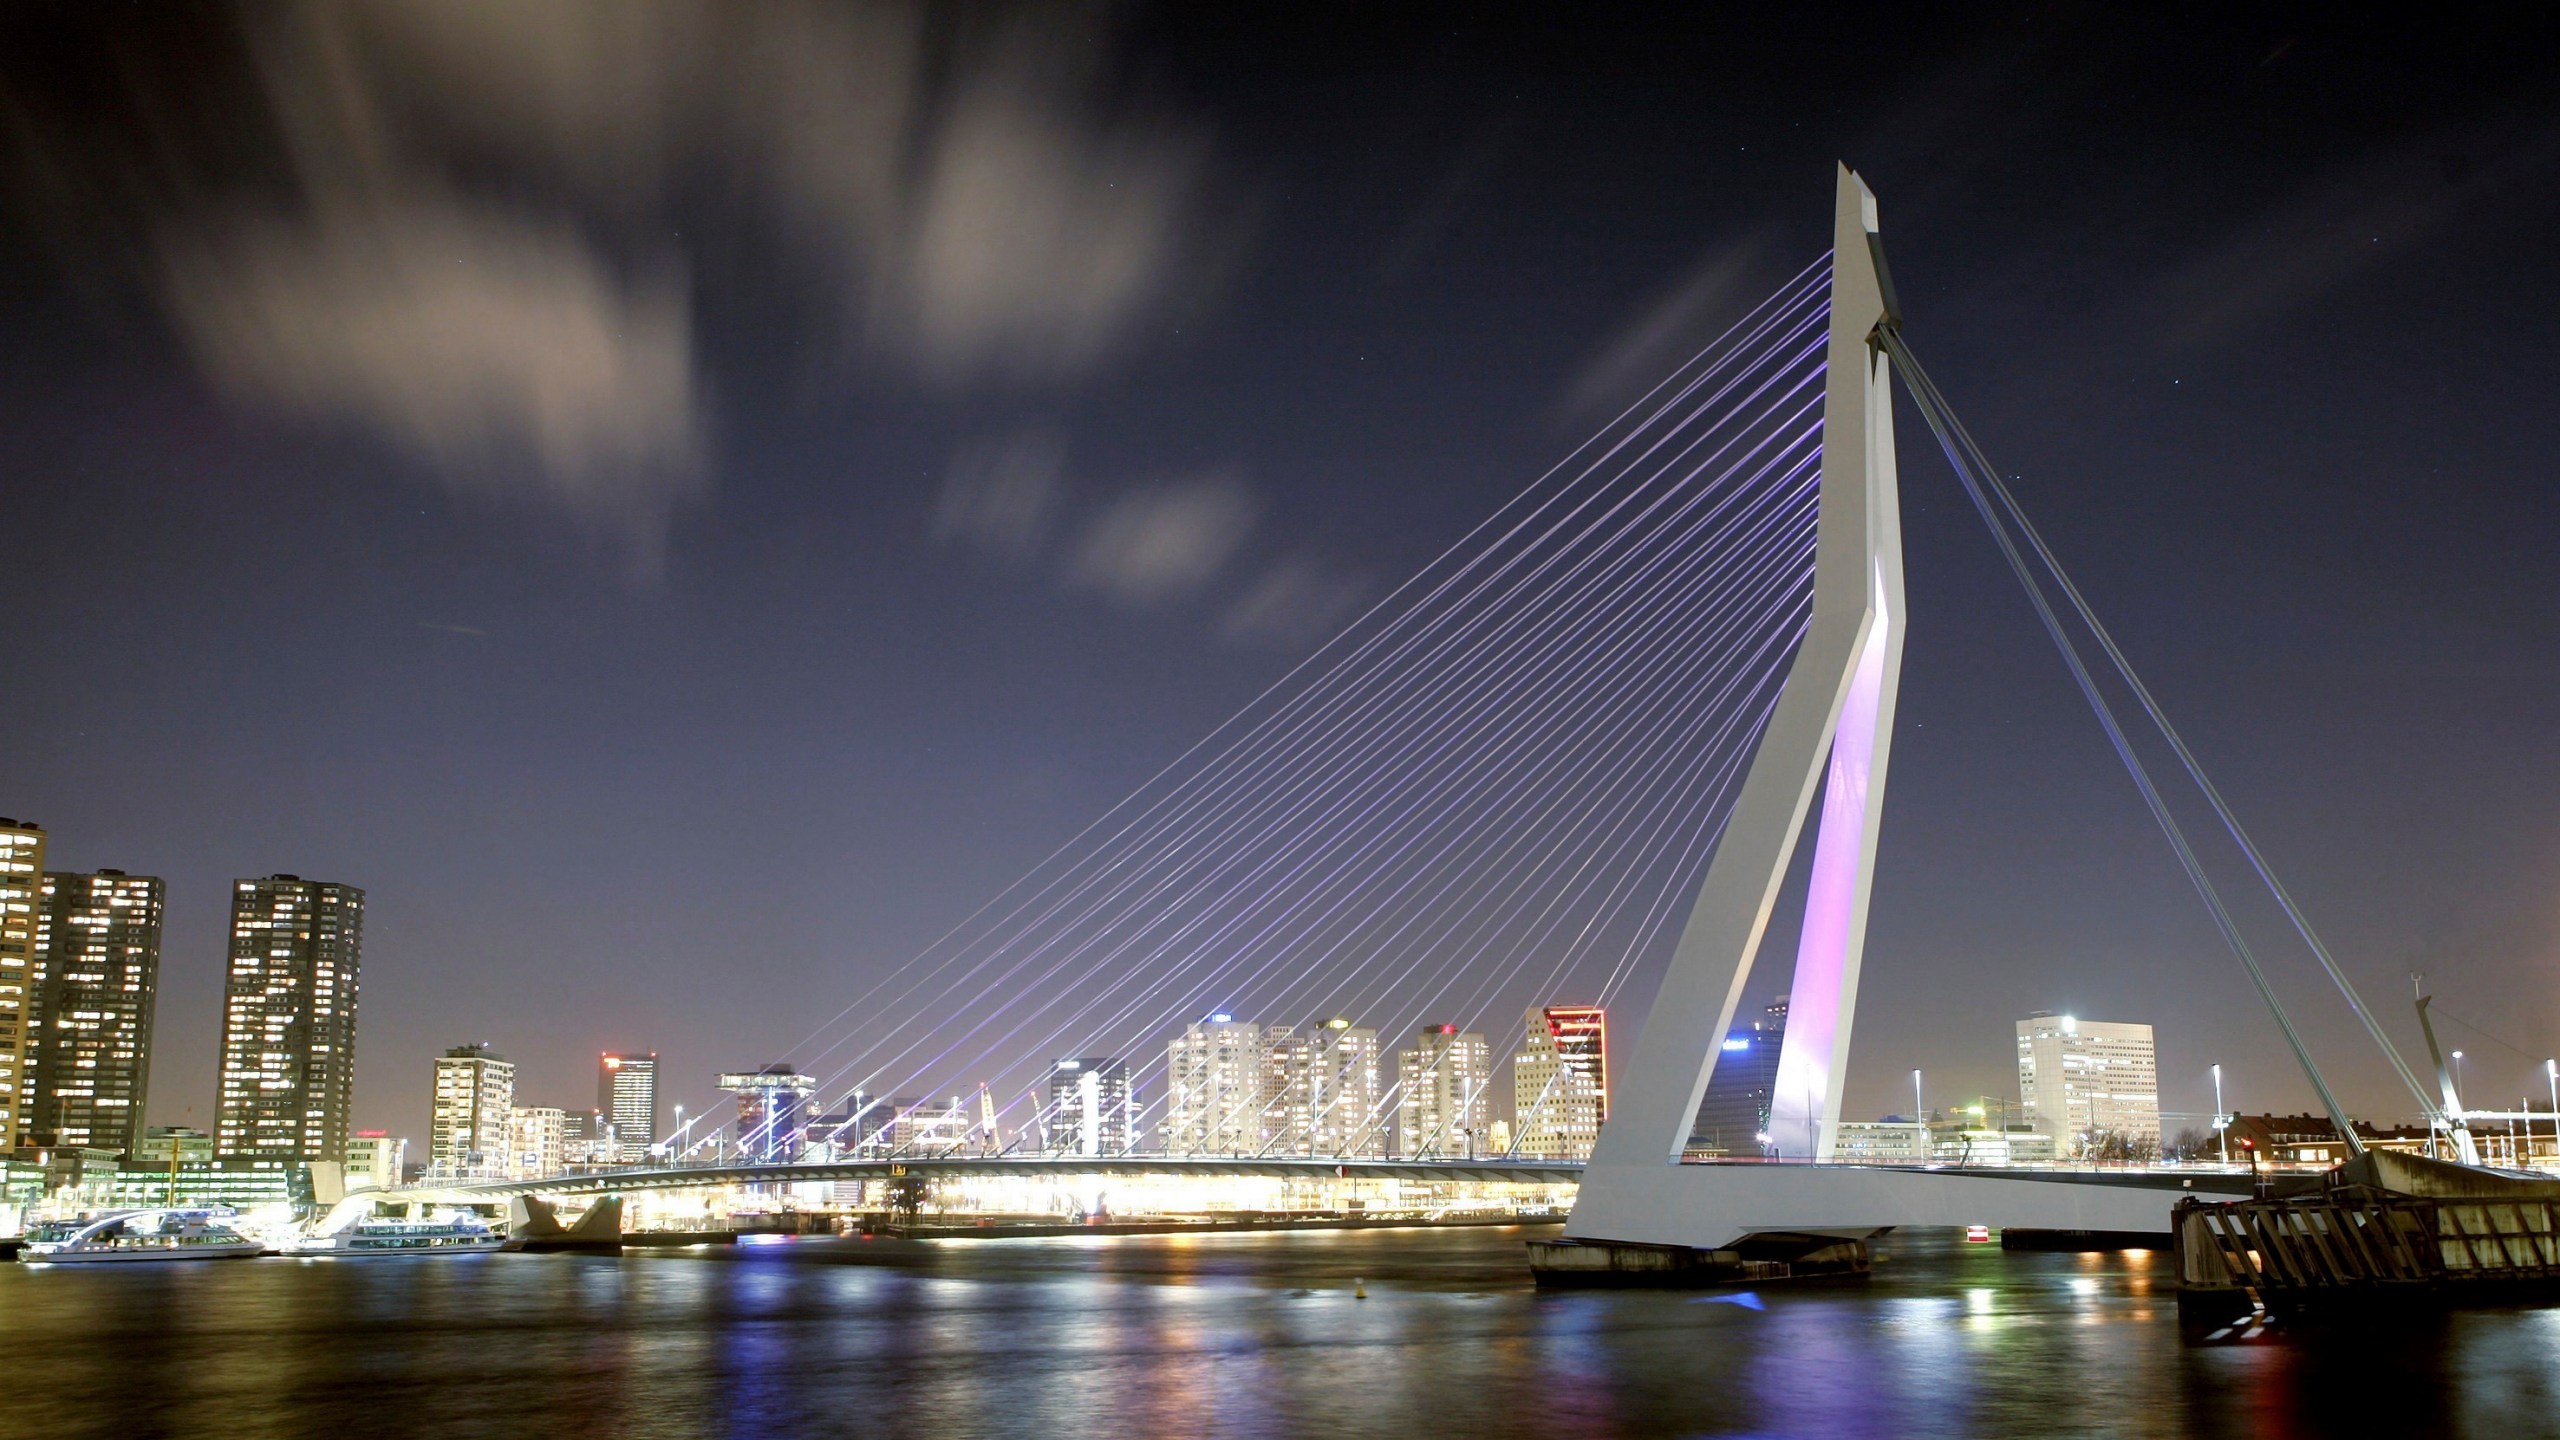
(1230, 1335)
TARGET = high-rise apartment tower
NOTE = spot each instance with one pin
(471, 1130)
(21, 873)
(289, 1021)
(1443, 1108)
(91, 991)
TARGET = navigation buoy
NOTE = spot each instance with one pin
(1359, 1288)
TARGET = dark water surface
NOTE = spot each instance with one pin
(1226, 1335)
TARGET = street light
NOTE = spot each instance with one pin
(2457, 1076)
(2221, 1122)
(2551, 1072)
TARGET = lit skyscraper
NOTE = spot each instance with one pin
(471, 1130)
(627, 1099)
(1442, 1105)
(1091, 1106)
(2086, 1081)
(1331, 1101)
(773, 1111)
(1217, 1079)
(91, 991)
(21, 873)
(289, 1021)
(1560, 1082)
(1734, 1113)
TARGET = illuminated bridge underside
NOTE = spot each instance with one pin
(958, 1167)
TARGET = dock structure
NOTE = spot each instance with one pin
(2386, 1230)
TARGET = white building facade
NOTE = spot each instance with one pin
(2087, 1082)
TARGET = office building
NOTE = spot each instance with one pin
(773, 1111)
(21, 875)
(1443, 1104)
(1091, 1108)
(1734, 1113)
(627, 1098)
(537, 1142)
(376, 1160)
(1882, 1142)
(287, 1083)
(475, 1099)
(92, 985)
(1217, 1088)
(1559, 1083)
(2093, 1085)
(1333, 1099)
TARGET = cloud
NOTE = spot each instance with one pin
(999, 493)
(1153, 544)
(474, 227)
(2315, 241)
(1668, 329)
(1296, 602)
(501, 350)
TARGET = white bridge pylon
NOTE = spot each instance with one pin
(1834, 726)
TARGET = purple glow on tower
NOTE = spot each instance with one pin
(1800, 1096)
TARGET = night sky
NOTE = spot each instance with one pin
(683, 502)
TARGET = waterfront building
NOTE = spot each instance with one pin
(287, 1083)
(376, 1160)
(1091, 1108)
(1443, 1103)
(21, 874)
(537, 1142)
(475, 1097)
(1881, 1142)
(1559, 1083)
(1218, 1080)
(2093, 1085)
(773, 1111)
(627, 1098)
(92, 985)
(1991, 1147)
(1734, 1113)
(1332, 1098)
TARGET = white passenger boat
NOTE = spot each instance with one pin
(384, 1237)
(130, 1235)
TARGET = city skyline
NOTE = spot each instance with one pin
(865, 625)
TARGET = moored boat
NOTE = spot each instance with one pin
(137, 1235)
(386, 1237)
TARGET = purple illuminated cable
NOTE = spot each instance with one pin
(1501, 974)
(1786, 297)
(2160, 720)
(1107, 1028)
(1017, 1027)
(1568, 891)
(1511, 880)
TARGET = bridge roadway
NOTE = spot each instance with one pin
(623, 1182)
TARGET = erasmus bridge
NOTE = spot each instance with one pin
(1572, 757)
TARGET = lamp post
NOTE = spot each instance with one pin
(2457, 1078)
(2221, 1122)
(2551, 1072)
